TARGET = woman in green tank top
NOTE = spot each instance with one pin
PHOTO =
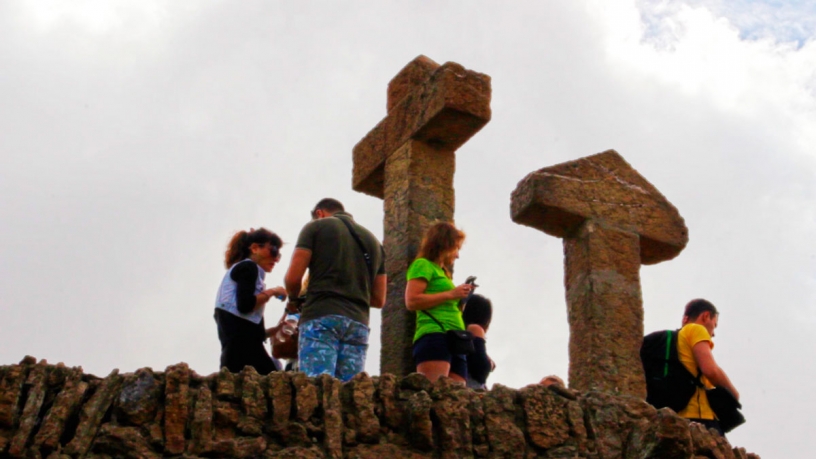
(431, 292)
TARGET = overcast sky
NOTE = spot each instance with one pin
(136, 137)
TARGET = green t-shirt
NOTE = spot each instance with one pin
(447, 313)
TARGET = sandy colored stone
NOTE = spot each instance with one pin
(612, 220)
(36, 383)
(361, 416)
(201, 428)
(65, 405)
(444, 107)
(123, 442)
(420, 426)
(225, 385)
(545, 415)
(306, 400)
(176, 407)
(506, 438)
(280, 393)
(390, 410)
(11, 388)
(242, 447)
(90, 418)
(603, 188)
(451, 410)
(332, 416)
(408, 161)
(253, 402)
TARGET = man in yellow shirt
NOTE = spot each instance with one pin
(694, 347)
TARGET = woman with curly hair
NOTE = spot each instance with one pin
(431, 293)
(242, 298)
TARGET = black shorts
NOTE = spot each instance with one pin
(434, 347)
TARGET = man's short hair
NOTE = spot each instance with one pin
(696, 307)
(329, 205)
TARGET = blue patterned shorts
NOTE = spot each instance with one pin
(333, 345)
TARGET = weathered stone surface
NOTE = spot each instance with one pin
(138, 400)
(295, 452)
(612, 221)
(65, 406)
(11, 388)
(451, 409)
(90, 418)
(241, 447)
(505, 437)
(253, 401)
(605, 310)
(447, 422)
(478, 433)
(603, 188)
(384, 451)
(123, 442)
(360, 414)
(36, 384)
(408, 161)
(545, 415)
(305, 397)
(420, 426)
(389, 410)
(280, 393)
(225, 385)
(444, 107)
(176, 407)
(332, 416)
(201, 429)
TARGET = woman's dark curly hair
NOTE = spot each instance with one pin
(238, 247)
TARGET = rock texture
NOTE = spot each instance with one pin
(50, 411)
(408, 160)
(612, 220)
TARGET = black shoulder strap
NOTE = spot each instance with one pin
(675, 356)
(434, 319)
(356, 236)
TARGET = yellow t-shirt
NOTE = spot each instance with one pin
(691, 334)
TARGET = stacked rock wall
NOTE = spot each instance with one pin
(51, 411)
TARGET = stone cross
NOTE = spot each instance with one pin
(612, 220)
(408, 161)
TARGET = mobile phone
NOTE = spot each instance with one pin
(471, 280)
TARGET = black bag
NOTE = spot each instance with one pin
(726, 407)
(668, 382)
(459, 341)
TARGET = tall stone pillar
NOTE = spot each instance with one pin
(408, 160)
(612, 220)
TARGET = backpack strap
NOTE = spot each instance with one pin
(356, 236)
(669, 333)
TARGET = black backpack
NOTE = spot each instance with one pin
(668, 382)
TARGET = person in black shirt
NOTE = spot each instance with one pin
(477, 315)
(242, 298)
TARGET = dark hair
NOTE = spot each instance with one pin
(478, 310)
(329, 205)
(238, 247)
(696, 307)
(439, 240)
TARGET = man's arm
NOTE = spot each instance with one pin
(297, 268)
(378, 291)
(710, 369)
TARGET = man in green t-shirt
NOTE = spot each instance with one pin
(343, 285)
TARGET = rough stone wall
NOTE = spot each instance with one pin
(51, 411)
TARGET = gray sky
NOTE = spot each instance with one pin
(136, 137)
